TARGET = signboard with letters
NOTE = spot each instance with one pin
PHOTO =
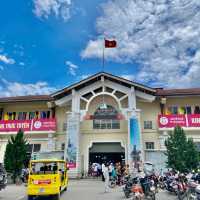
(170, 121)
(28, 125)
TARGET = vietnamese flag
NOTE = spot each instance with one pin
(110, 43)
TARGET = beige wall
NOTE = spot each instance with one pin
(24, 106)
(183, 101)
(149, 112)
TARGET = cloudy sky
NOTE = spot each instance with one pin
(48, 44)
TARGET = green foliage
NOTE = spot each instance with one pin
(15, 154)
(181, 152)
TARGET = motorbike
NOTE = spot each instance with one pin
(191, 193)
(3, 177)
(128, 186)
(113, 182)
(148, 187)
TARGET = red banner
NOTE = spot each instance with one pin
(170, 121)
(193, 120)
(71, 165)
(28, 125)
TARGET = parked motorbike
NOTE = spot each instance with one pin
(3, 177)
(191, 193)
(149, 187)
(128, 186)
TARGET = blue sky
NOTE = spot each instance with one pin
(48, 44)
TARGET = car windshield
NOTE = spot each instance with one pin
(44, 167)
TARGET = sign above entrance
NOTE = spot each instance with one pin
(119, 116)
(28, 125)
(170, 121)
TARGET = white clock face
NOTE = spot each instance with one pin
(37, 124)
(164, 120)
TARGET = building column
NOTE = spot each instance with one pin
(134, 131)
(72, 147)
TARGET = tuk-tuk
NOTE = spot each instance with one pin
(47, 178)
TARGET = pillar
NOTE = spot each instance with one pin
(72, 147)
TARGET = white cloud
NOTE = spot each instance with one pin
(128, 77)
(6, 60)
(21, 63)
(72, 68)
(163, 37)
(59, 8)
(84, 76)
(20, 89)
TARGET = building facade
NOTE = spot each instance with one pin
(101, 118)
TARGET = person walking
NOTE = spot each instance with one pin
(106, 176)
(102, 171)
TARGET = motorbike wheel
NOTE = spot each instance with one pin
(127, 194)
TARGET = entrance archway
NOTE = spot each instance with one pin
(106, 152)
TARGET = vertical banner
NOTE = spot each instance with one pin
(72, 139)
(135, 134)
(135, 143)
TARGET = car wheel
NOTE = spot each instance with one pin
(57, 197)
(31, 197)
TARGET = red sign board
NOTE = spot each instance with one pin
(170, 121)
(193, 120)
(28, 125)
(71, 165)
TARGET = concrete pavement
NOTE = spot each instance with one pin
(78, 189)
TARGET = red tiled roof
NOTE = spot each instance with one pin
(177, 92)
(28, 98)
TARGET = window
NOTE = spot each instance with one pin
(64, 126)
(149, 145)
(196, 110)
(45, 114)
(10, 116)
(147, 124)
(22, 115)
(106, 118)
(63, 146)
(31, 115)
(188, 110)
(182, 110)
(34, 148)
(1, 113)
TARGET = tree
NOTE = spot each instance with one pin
(16, 154)
(181, 152)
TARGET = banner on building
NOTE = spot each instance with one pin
(170, 121)
(72, 139)
(28, 125)
(135, 134)
(135, 145)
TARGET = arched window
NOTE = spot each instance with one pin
(106, 117)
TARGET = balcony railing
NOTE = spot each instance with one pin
(33, 125)
(171, 121)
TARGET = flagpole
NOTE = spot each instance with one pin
(103, 56)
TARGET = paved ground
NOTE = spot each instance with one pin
(13, 192)
(83, 190)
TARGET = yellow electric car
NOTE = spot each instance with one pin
(47, 178)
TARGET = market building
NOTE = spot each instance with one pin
(101, 118)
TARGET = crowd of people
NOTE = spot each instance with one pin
(109, 171)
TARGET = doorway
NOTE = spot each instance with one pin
(106, 152)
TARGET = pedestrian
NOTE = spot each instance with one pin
(106, 176)
(102, 171)
(110, 168)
